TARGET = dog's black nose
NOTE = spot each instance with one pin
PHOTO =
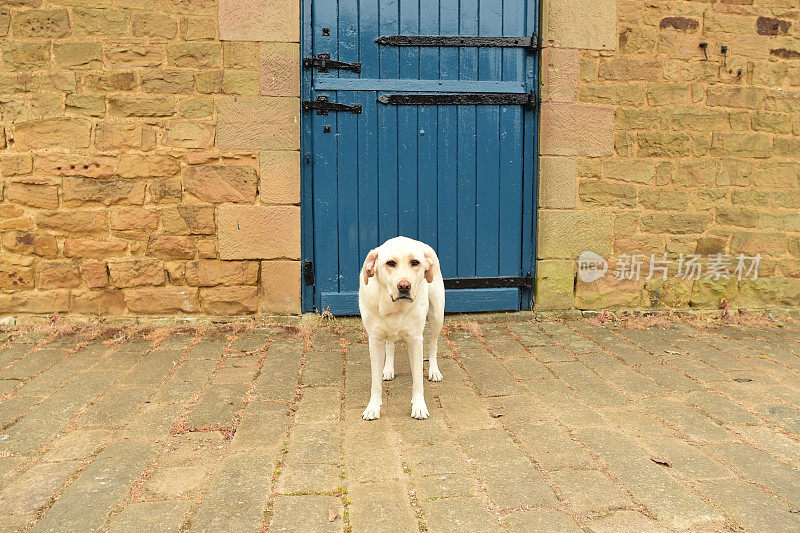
(404, 286)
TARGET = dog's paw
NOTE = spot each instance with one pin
(434, 374)
(419, 410)
(372, 412)
(388, 375)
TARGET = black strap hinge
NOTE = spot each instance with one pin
(531, 44)
(527, 99)
(323, 63)
(522, 282)
(323, 104)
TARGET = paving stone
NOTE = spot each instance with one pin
(33, 489)
(518, 411)
(187, 380)
(565, 404)
(529, 334)
(263, 426)
(444, 486)
(32, 364)
(9, 354)
(249, 342)
(774, 443)
(540, 520)
(152, 368)
(786, 393)
(114, 407)
(176, 341)
(670, 502)
(47, 418)
(459, 514)
(323, 368)
(14, 408)
(754, 464)
(370, 450)
(591, 388)
(624, 377)
(209, 348)
(698, 426)
(154, 421)
(624, 522)
(383, 506)
(690, 461)
(118, 361)
(17, 523)
(637, 422)
(508, 475)
(569, 338)
(772, 368)
(309, 477)
(695, 369)
(502, 344)
(527, 369)
(433, 459)
(465, 408)
(175, 482)
(78, 444)
(432, 430)
(236, 370)
(551, 354)
(669, 378)
(238, 495)
(721, 409)
(306, 514)
(552, 448)
(278, 378)
(86, 503)
(7, 385)
(710, 355)
(589, 490)
(52, 379)
(217, 407)
(729, 347)
(745, 393)
(167, 516)
(750, 507)
(314, 444)
(317, 405)
(490, 377)
(648, 340)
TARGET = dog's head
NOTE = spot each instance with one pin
(399, 266)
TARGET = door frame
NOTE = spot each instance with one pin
(530, 163)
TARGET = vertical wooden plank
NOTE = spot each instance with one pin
(467, 129)
(488, 146)
(326, 245)
(447, 157)
(387, 126)
(511, 145)
(368, 31)
(347, 194)
(407, 126)
(530, 151)
(306, 147)
(427, 138)
(325, 15)
(348, 40)
(367, 173)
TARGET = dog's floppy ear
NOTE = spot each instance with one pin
(429, 270)
(369, 265)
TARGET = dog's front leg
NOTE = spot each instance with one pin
(418, 407)
(388, 367)
(377, 354)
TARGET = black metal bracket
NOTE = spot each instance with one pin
(522, 282)
(323, 104)
(308, 272)
(528, 99)
(323, 63)
(531, 44)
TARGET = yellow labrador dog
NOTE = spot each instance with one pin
(401, 285)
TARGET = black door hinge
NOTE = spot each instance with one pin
(308, 272)
(528, 99)
(323, 104)
(523, 282)
(323, 63)
(531, 44)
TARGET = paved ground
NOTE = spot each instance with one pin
(536, 427)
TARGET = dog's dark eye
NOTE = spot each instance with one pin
(391, 264)
(414, 263)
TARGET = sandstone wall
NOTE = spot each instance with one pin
(142, 143)
(649, 148)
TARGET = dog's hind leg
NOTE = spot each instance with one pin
(418, 408)
(388, 367)
(435, 321)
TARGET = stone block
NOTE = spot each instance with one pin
(565, 234)
(154, 25)
(280, 177)
(195, 55)
(136, 273)
(569, 129)
(73, 222)
(167, 81)
(162, 300)
(190, 135)
(104, 22)
(230, 300)
(209, 273)
(280, 287)
(555, 281)
(170, 247)
(565, 24)
(188, 220)
(42, 23)
(256, 123)
(258, 232)
(134, 55)
(26, 56)
(222, 183)
(557, 183)
(259, 20)
(57, 275)
(71, 133)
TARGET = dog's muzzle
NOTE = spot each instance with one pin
(402, 296)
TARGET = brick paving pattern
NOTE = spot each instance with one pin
(547, 426)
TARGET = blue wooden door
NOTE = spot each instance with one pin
(453, 165)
